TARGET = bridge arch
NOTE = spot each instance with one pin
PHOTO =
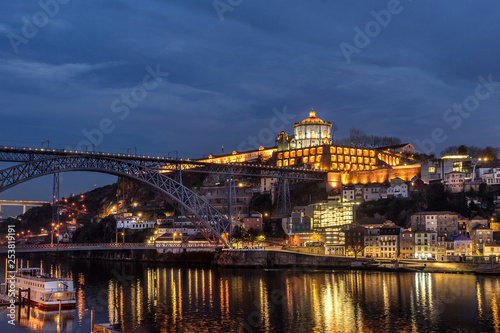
(210, 222)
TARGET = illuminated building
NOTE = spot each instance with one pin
(311, 147)
(253, 221)
(480, 235)
(436, 169)
(389, 241)
(454, 181)
(425, 244)
(178, 225)
(297, 222)
(490, 176)
(444, 222)
(462, 246)
(134, 223)
(333, 218)
(406, 244)
(311, 132)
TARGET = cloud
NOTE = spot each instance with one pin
(24, 70)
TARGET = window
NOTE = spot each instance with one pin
(313, 134)
(300, 135)
(432, 169)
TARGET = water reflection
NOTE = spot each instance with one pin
(160, 298)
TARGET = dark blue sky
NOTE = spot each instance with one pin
(228, 71)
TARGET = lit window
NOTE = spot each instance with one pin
(300, 135)
(313, 134)
(305, 159)
(306, 152)
(313, 151)
(299, 153)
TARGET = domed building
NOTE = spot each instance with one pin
(312, 131)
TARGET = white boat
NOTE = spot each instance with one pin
(46, 291)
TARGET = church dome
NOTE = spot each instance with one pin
(312, 119)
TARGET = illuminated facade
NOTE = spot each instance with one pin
(311, 147)
(261, 155)
(312, 132)
(333, 218)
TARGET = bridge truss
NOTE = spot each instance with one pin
(212, 224)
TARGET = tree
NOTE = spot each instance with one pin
(238, 234)
(462, 150)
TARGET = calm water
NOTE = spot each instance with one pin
(162, 298)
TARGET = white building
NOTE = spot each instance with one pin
(312, 132)
(491, 176)
(348, 193)
(179, 225)
(398, 189)
(134, 223)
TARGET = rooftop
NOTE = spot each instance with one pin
(313, 119)
(436, 213)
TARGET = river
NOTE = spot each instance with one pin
(149, 297)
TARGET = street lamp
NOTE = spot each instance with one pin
(52, 235)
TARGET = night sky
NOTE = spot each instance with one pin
(192, 76)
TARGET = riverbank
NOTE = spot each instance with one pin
(193, 256)
(263, 258)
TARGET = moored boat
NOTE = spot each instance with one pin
(46, 292)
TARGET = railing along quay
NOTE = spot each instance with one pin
(100, 246)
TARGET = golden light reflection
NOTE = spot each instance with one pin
(494, 309)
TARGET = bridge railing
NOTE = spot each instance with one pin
(81, 246)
